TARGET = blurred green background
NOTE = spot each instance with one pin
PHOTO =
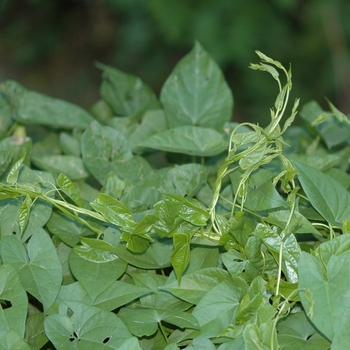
(51, 45)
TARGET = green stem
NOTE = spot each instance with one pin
(163, 332)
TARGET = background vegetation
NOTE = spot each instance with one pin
(52, 45)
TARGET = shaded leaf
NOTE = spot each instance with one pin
(188, 139)
(31, 107)
(126, 94)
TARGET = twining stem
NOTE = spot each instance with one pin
(65, 207)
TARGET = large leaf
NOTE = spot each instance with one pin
(195, 285)
(326, 194)
(125, 93)
(324, 292)
(80, 326)
(96, 270)
(188, 139)
(297, 332)
(70, 165)
(184, 180)
(31, 107)
(140, 127)
(119, 294)
(218, 308)
(196, 93)
(105, 149)
(39, 269)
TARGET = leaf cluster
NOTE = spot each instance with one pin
(151, 223)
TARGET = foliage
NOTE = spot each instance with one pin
(49, 45)
(162, 224)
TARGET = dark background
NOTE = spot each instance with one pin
(51, 45)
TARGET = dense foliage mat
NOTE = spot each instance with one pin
(153, 223)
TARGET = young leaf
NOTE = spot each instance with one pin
(14, 171)
(114, 211)
(181, 255)
(67, 186)
(125, 93)
(196, 93)
(23, 214)
(188, 139)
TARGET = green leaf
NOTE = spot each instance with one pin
(23, 214)
(12, 176)
(114, 211)
(35, 334)
(188, 139)
(261, 193)
(145, 322)
(70, 145)
(261, 337)
(184, 180)
(290, 250)
(31, 107)
(193, 286)
(323, 284)
(14, 300)
(181, 254)
(296, 332)
(67, 229)
(196, 93)
(12, 340)
(40, 271)
(333, 131)
(156, 256)
(326, 195)
(125, 93)
(105, 149)
(96, 270)
(299, 222)
(119, 294)
(70, 165)
(80, 326)
(67, 186)
(218, 308)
